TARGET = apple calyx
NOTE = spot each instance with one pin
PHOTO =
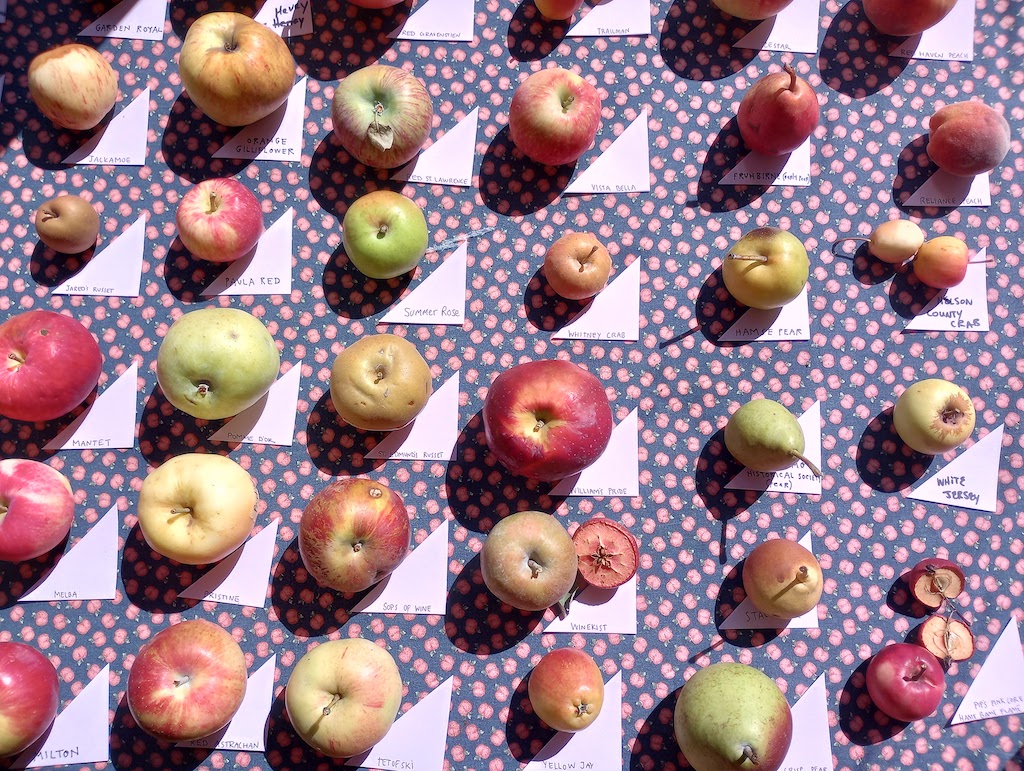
(749, 753)
(380, 134)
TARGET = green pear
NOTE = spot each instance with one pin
(764, 436)
(732, 717)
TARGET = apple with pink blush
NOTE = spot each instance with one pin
(566, 689)
(73, 86)
(547, 419)
(554, 116)
(29, 696)
(753, 10)
(51, 364)
(219, 220)
(37, 509)
(905, 681)
(187, 681)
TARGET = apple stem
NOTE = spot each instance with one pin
(562, 606)
(586, 258)
(183, 680)
(539, 425)
(15, 357)
(792, 77)
(922, 668)
(535, 567)
(567, 102)
(334, 700)
(751, 257)
(814, 469)
(179, 512)
(749, 753)
(46, 215)
(357, 546)
(986, 261)
(802, 573)
(214, 203)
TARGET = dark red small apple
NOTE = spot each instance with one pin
(778, 114)
(934, 580)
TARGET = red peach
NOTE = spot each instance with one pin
(968, 138)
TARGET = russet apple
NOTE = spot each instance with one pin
(197, 508)
(29, 696)
(554, 116)
(577, 266)
(235, 69)
(187, 682)
(380, 383)
(382, 115)
(933, 416)
(528, 560)
(353, 533)
(566, 689)
(778, 113)
(782, 578)
(343, 695)
(72, 85)
(51, 363)
(67, 224)
(215, 362)
(385, 234)
(903, 18)
(219, 220)
(733, 717)
(766, 269)
(37, 509)
(547, 419)
(905, 681)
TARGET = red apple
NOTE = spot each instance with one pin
(51, 364)
(558, 10)
(566, 689)
(29, 696)
(235, 69)
(36, 509)
(187, 682)
(934, 580)
(219, 220)
(528, 560)
(73, 86)
(547, 419)
(752, 9)
(905, 681)
(353, 533)
(554, 116)
(382, 115)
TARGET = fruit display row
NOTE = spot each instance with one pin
(691, 547)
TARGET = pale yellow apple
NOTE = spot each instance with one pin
(766, 269)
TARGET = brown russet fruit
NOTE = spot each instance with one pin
(68, 224)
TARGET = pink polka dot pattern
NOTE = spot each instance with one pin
(868, 158)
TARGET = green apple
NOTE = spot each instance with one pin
(385, 234)
(215, 362)
(732, 717)
(766, 269)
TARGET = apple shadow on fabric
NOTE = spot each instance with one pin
(19, 578)
(47, 145)
(525, 733)
(153, 582)
(697, 44)
(725, 152)
(189, 136)
(368, 26)
(28, 440)
(715, 310)
(908, 295)
(337, 180)
(187, 276)
(655, 745)
(285, 749)
(183, 13)
(481, 491)
(868, 270)
(854, 56)
(514, 186)
(132, 748)
(301, 604)
(477, 622)
(730, 595)
(336, 447)
(884, 461)
(166, 431)
(52, 268)
(545, 309)
(530, 37)
(859, 718)
(914, 167)
(715, 468)
(352, 295)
